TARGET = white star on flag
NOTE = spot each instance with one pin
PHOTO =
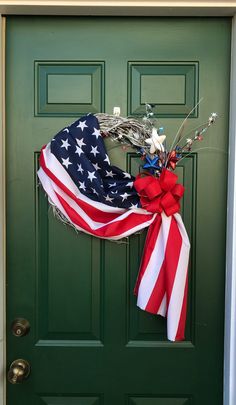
(96, 133)
(78, 150)
(94, 191)
(80, 142)
(127, 176)
(110, 174)
(124, 196)
(96, 167)
(80, 169)
(66, 162)
(130, 184)
(107, 159)
(94, 151)
(82, 185)
(65, 144)
(133, 206)
(112, 184)
(107, 198)
(91, 176)
(82, 125)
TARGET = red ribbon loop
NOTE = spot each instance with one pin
(158, 194)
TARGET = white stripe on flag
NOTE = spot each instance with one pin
(177, 294)
(162, 309)
(50, 187)
(154, 265)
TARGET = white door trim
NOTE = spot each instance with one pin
(2, 213)
(194, 9)
(230, 288)
(120, 7)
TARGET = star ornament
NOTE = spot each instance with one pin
(156, 141)
(151, 163)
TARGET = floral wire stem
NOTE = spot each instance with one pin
(192, 130)
(149, 140)
(183, 123)
(203, 127)
(197, 150)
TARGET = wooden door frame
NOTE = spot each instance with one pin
(126, 8)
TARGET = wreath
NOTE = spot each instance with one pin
(98, 198)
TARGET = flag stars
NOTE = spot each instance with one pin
(66, 130)
(80, 142)
(133, 206)
(82, 185)
(96, 133)
(124, 196)
(110, 174)
(96, 167)
(109, 199)
(112, 184)
(82, 125)
(94, 191)
(66, 162)
(127, 175)
(94, 151)
(91, 176)
(79, 150)
(130, 184)
(65, 144)
(80, 169)
(106, 159)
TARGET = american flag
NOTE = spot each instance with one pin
(100, 199)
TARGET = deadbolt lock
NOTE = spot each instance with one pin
(20, 327)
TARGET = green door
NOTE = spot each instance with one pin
(88, 342)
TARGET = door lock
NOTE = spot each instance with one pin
(19, 370)
(20, 327)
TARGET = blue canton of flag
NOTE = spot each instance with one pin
(81, 150)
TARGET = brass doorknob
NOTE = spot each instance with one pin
(18, 372)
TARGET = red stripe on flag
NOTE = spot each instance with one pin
(150, 242)
(172, 253)
(158, 292)
(107, 230)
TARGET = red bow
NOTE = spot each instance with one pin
(158, 194)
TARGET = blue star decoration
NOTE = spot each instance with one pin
(152, 164)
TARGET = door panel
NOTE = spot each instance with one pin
(89, 343)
